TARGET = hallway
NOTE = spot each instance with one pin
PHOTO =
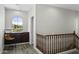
(20, 49)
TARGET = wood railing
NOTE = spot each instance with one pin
(51, 44)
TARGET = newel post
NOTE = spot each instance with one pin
(74, 40)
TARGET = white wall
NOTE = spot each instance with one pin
(52, 20)
(11, 13)
(2, 26)
(77, 24)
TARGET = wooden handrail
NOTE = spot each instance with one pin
(76, 36)
(56, 34)
(60, 34)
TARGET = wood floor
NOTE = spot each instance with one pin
(19, 49)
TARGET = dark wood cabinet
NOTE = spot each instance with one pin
(18, 38)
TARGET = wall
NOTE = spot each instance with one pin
(77, 24)
(51, 20)
(2, 26)
(31, 13)
(11, 13)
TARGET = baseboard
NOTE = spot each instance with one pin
(69, 51)
(38, 50)
(17, 44)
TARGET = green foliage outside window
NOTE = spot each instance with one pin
(17, 28)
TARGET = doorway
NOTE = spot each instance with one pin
(32, 30)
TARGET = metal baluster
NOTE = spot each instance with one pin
(44, 45)
(55, 43)
(47, 45)
(60, 43)
(65, 42)
(52, 44)
(41, 43)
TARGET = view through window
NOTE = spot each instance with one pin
(17, 24)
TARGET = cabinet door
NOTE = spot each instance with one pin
(25, 37)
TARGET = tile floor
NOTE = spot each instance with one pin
(19, 49)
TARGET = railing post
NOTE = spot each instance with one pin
(74, 41)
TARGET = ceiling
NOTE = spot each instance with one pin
(67, 6)
(22, 7)
(27, 7)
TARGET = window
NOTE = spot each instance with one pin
(17, 24)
